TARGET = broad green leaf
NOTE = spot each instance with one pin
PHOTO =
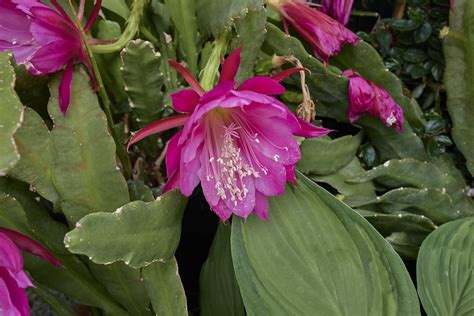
(57, 303)
(11, 115)
(12, 215)
(144, 92)
(432, 203)
(445, 269)
(215, 16)
(33, 141)
(323, 156)
(183, 15)
(165, 289)
(404, 231)
(316, 254)
(458, 47)
(328, 89)
(139, 191)
(149, 232)
(85, 172)
(251, 32)
(118, 7)
(338, 181)
(219, 291)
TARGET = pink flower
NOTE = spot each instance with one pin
(339, 10)
(367, 97)
(325, 35)
(237, 142)
(44, 40)
(13, 280)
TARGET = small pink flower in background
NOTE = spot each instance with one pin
(44, 40)
(339, 10)
(366, 97)
(237, 142)
(325, 35)
(13, 280)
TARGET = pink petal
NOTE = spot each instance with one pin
(243, 207)
(10, 256)
(222, 211)
(18, 301)
(25, 243)
(193, 83)
(261, 206)
(61, 10)
(285, 73)
(158, 127)
(21, 279)
(189, 179)
(273, 181)
(172, 183)
(208, 184)
(93, 16)
(185, 100)
(218, 91)
(230, 66)
(310, 130)
(263, 85)
(65, 88)
(173, 154)
(290, 174)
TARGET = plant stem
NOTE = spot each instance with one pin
(365, 13)
(211, 69)
(133, 24)
(399, 9)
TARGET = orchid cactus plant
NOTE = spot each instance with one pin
(235, 157)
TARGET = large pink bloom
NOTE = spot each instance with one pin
(367, 97)
(339, 10)
(237, 142)
(325, 35)
(13, 280)
(44, 40)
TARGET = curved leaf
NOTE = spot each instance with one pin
(445, 269)
(315, 254)
(11, 115)
(149, 232)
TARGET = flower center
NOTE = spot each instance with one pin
(231, 157)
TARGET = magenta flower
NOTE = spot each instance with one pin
(13, 280)
(237, 142)
(367, 97)
(325, 35)
(44, 40)
(340, 10)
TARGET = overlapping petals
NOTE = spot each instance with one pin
(13, 280)
(325, 35)
(340, 10)
(366, 97)
(44, 40)
(237, 142)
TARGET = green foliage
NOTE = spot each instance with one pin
(144, 91)
(11, 116)
(149, 232)
(445, 267)
(215, 16)
(326, 252)
(219, 291)
(165, 289)
(459, 50)
(84, 172)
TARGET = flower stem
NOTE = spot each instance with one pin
(211, 69)
(133, 25)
